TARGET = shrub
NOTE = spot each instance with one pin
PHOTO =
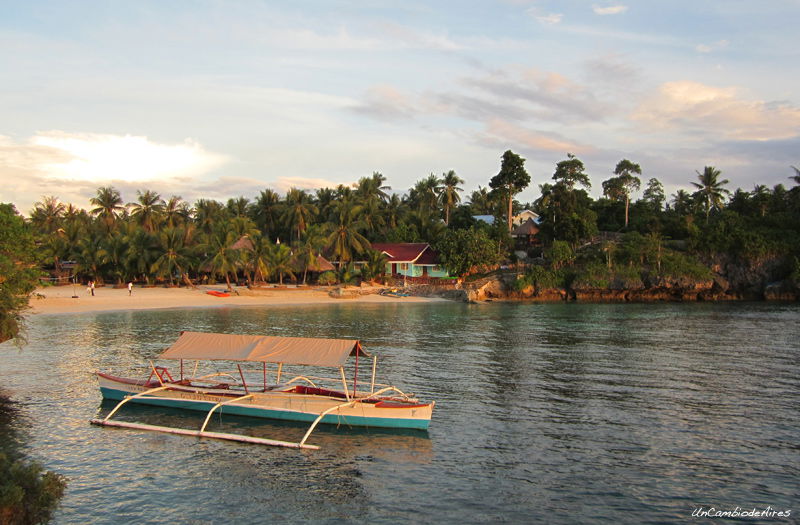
(327, 278)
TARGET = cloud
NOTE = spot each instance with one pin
(93, 156)
(708, 48)
(550, 19)
(500, 133)
(609, 10)
(385, 102)
(719, 112)
(612, 69)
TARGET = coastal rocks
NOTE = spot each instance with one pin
(781, 291)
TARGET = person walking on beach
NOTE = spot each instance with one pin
(130, 287)
(91, 285)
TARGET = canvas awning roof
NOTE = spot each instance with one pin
(263, 348)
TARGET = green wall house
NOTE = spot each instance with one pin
(408, 259)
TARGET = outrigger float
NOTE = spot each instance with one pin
(301, 398)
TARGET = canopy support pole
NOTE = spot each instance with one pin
(374, 367)
(355, 377)
(208, 417)
(265, 375)
(128, 398)
(278, 378)
(344, 383)
(244, 384)
(158, 376)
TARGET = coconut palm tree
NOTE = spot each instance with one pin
(47, 215)
(142, 251)
(394, 211)
(107, 206)
(448, 193)
(345, 239)
(373, 188)
(796, 176)
(424, 194)
(207, 213)
(710, 192)
(267, 211)
(299, 211)
(238, 207)
(259, 258)
(176, 212)
(310, 247)
(147, 210)
(222, 259)
(116, 251)
(682, 202)
(174, 253)
(280, 262)
(481, 202)
(375, 266)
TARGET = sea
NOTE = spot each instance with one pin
(545, 413)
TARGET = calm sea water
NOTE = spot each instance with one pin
(558, 413)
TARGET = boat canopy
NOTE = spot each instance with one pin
(263, 348)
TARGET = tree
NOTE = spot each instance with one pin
(299, 211)
(107, 206)
(448, 195)
(654, 194)
(482, 202)
(375, 265)
(176, 212)
(174, 250)
(280, 262)
(222, 259)
(571, 173)
(461, 251)
(625, 182)
(511, 180)
(18, 272)
(710, 191)
(47, 214)
(345, 240)
(796, 176)
(425, 194)
(147, 210)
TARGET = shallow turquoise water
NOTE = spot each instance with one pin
(558, 413)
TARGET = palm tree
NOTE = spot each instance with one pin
(375, 266)
(267, 211)
(238, 207)
(47, 214)
(142, 251)
(90, 255)
(259, 258)
(299, 211)
(222, 259)
(373, 188)
(280, 262)
(116, 250)
(682, 202)
(710, 191)
(176, 212)
(394, 210)
(448, 193)
(147, 210)
(481, 202)
(345, 239)
(424, 194)
(325, 197)
(175, 252)
(107, 206)
(796, 176)
(207, 213)
(308, 251)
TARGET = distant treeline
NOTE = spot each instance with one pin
(169, 240)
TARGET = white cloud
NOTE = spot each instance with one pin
(93, 157)
(609, 10)
(719, 112)
(708, 48)
(550, 19)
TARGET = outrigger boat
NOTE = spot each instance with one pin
(301, 398)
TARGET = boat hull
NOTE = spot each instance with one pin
(276, 405)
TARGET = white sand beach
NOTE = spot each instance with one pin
(60, 300)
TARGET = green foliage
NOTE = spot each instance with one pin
(599, 275)
(512, 179)
(675, 264)
(559, 254)
(540, 278)
(18, 272)
(28, 494)
(327, 278)
(375, 266)
(461, 251)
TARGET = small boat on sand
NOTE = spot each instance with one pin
(249, 393)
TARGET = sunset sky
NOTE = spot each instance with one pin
(219, 99)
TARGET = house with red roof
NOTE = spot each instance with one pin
(411, 259)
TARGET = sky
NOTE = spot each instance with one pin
(219, 99)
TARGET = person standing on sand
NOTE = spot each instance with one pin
(91, 285)
(130, 288)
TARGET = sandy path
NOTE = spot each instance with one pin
(59, 300)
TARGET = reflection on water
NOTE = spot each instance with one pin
(552, 413)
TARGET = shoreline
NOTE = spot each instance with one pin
(58, 300)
